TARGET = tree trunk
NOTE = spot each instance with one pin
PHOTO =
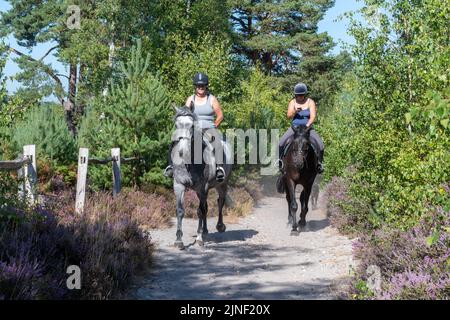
(81, 74)
(69, 105)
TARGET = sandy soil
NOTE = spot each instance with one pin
(256, 258)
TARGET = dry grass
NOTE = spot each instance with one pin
(239, 203)
(148, 210)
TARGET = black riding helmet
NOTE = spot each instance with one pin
(200, 79)
(300, 89)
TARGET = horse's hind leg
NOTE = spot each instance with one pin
(222, 190)
(179, 192)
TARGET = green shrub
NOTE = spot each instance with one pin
(135, 117)
(45, 127)
(391, 121)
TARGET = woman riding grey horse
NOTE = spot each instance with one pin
(206, 107)
(198, 176)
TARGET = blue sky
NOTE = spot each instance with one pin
(331, 23)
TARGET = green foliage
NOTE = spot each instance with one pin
(45, 127)
(204, 54)
(277, 33)
(433, 117)
(261, 105)
(394, 128)
(135, 117)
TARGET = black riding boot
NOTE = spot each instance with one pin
(320, 168)
(280, 162)
(168, 172)
(280, 180)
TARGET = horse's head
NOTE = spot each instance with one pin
(185, 118)
(185, 124)
(301, 145)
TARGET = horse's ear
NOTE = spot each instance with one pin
(175, 108)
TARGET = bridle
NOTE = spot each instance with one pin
(302, 153)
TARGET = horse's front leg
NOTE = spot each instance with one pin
(292, 206)
(222, 190)
(288, 199)
(179, 192)
(304, 199)
(202, 211)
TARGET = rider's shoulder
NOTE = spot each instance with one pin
(311, 102)
(213, 99)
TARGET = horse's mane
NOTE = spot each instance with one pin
(185, 112)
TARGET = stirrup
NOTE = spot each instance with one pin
(168, 172)
(220, 174)
(320, 168)
(280, 164)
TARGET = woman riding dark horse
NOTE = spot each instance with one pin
(302, 110)
(209, 114)
(303, 159)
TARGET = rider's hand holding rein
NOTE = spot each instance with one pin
(299, 103)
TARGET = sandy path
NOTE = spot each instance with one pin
(254, 259)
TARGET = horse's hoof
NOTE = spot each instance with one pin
(179, 245)
(295, 233)
(302, 224)
(200, 243)
(221, 228)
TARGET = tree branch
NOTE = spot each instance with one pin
(241, 22)
(44, 68)
(62, 75)
(48, 52)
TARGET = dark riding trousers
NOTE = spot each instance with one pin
(314, 137)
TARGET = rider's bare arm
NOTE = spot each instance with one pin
(313, 111)
(188, 102)
(218, 111)
(291, 110)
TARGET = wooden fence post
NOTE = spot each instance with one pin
(28, 173)
(83, 158)
(115, 155)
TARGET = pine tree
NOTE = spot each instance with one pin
(105, 32)
(277, 33)
(136, 117)
(45, 127)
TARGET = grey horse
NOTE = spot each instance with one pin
(200, 176)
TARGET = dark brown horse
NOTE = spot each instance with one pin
(300, 168)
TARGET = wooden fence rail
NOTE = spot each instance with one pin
(27, 172)
(83, 161)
